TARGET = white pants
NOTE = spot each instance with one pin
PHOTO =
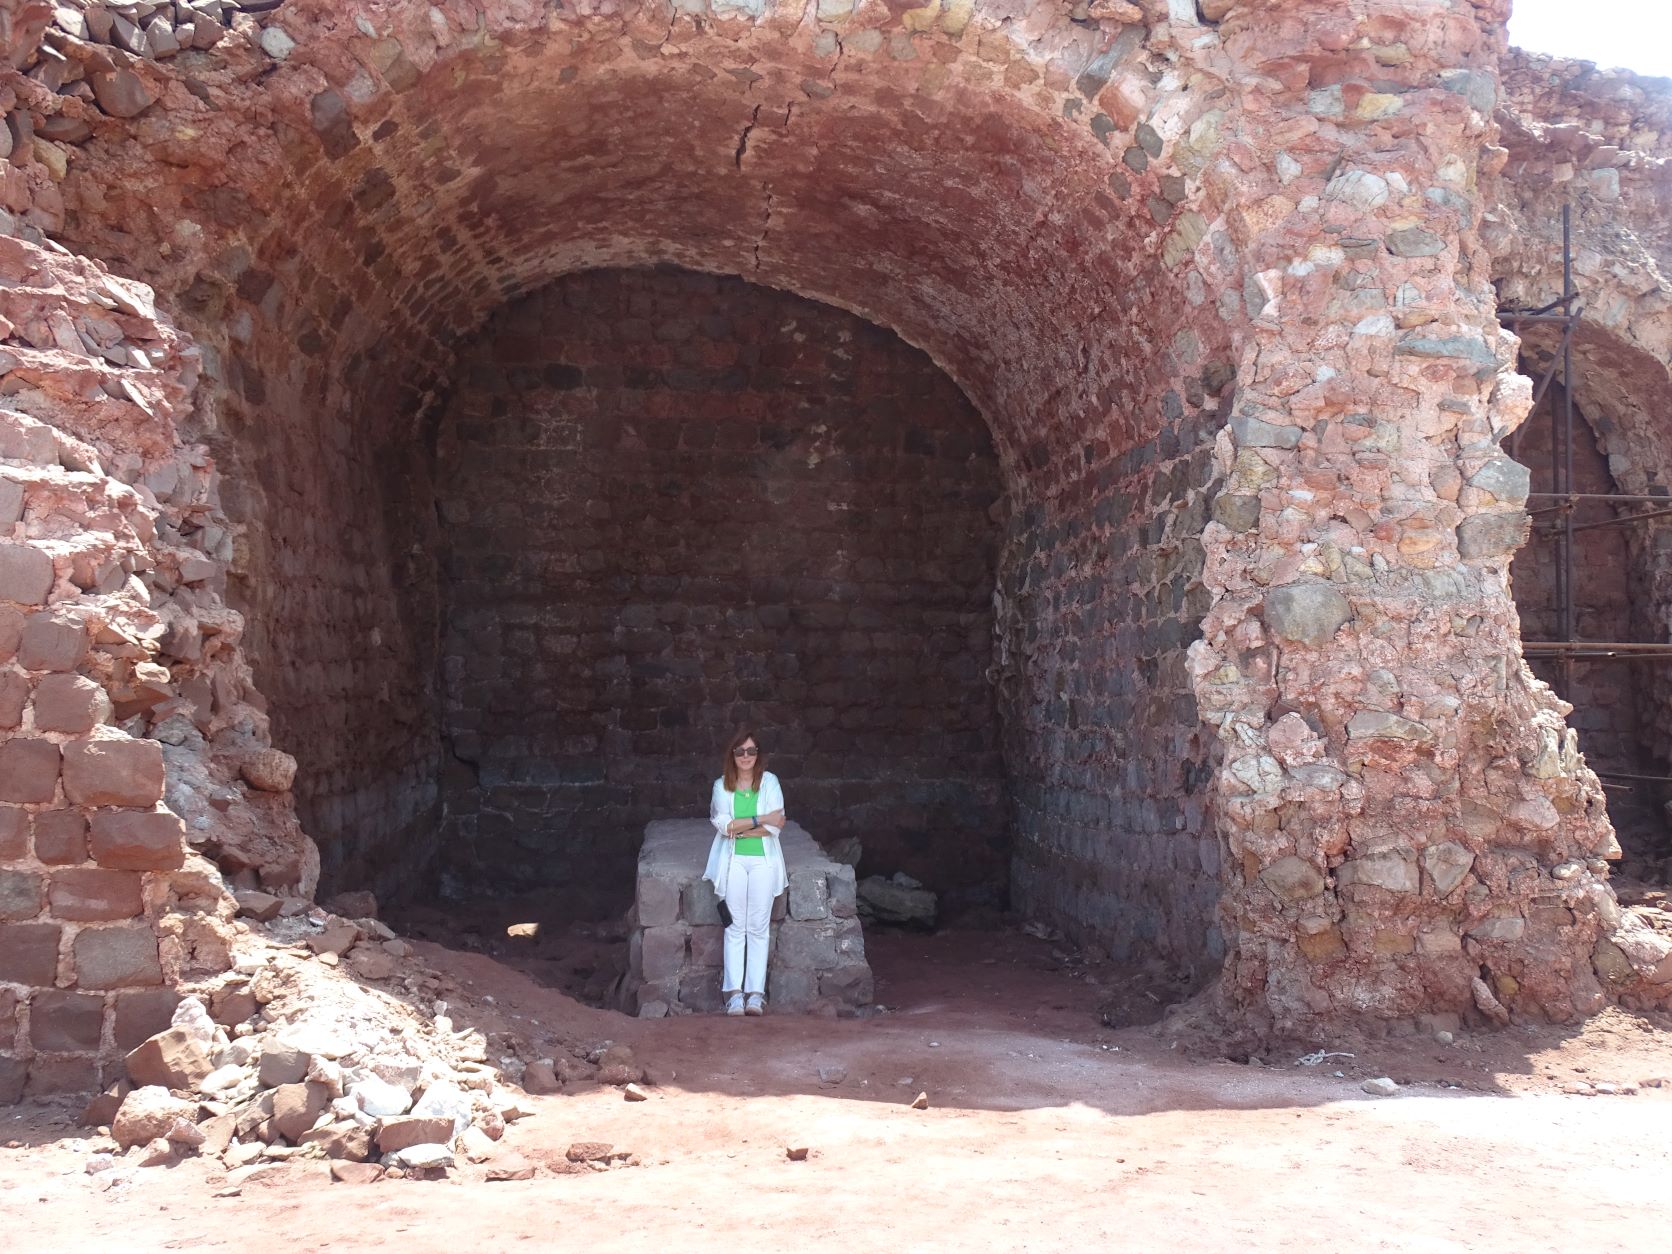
(749, 898)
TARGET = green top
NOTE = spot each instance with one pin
(743, 807)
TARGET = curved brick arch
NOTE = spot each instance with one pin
(930, 179)
(1216, 287)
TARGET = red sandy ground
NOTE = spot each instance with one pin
(1045, 1131)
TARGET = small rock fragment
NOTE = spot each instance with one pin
(510, 1167)
(148, 1113)
(634, 1093)
(424, 1157)
(172, 1059)
(1381, 1086)
(345, 1172)
(920, 1102)
(262, 907)
(540, 1078)
(404, 1131)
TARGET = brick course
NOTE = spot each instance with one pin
(111, 772)
(676, 503)
(28, 770)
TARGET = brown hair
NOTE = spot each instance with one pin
(730, 772)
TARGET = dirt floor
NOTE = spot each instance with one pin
(1045, 1129)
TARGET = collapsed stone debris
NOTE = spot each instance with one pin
(290, 1055)
(1217, 278)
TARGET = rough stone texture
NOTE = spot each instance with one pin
(113, 772)
(816, 956)
(676, 504)
(90, 895)
(1247, 264)
(116, 957)
(1599, 140)
(148, 1113)
(130, 840)
(66, 1022)
(174, 1059)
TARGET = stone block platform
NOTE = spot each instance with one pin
(818, 950)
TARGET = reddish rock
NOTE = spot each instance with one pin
(337, 939)
(14, 833)
(116, 957)
(29, 953)
(141, 1014)
(121, 93)
(262, 907)
(270, 770)
(90, 895)
(25, 574)
(233, 1006)
(149, 1113)
(355, 1173)
(509, 1166)
(372, 964)
(133, 840)
(54, 640)
(60, 837)
(172, 1059)
(28, 770)
(113, 772)
(72, 704)
(404, 1131)
(53, 1074)
(21, 895)
(11, 632)
(14, 1076)
(14, 695)
(341, 1141)
(61, 1022)
(1227, 329)
(296, 1107)
(99, 1112)
(540, 1078)
(359, 904)
(218, 1131)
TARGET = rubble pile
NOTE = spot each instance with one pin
(328, 1039)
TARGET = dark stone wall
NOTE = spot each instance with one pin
(1111, 768)
(1616, 704)
(334, 573)
(671, 503)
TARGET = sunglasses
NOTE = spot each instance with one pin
(746, 753)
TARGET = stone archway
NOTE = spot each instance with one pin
(1215, 287)
(964, 214)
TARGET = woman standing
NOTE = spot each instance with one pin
(746, 867)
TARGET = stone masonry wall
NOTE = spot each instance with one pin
(1600, 142)
(1610, 697)
(1074, 213)
(1399, 795)
(1113, 773)
(674, 504)
(131, 745)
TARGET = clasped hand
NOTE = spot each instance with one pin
(743, 827)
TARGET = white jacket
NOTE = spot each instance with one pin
(720, 812)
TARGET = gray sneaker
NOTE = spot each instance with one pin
(734, 1004)
(755, 1006)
